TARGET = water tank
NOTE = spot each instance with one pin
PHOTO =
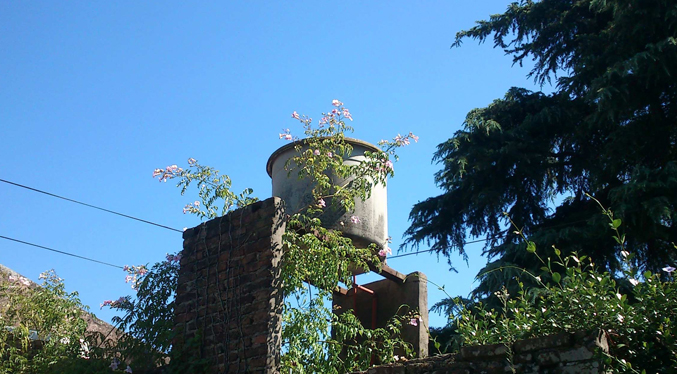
(372, 213)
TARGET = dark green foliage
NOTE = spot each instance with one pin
(609, 130)
(638, 326)
(149, 319)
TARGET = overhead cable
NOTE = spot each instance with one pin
(62, 252)
(90, 205)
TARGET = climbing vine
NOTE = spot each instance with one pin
(316, 259)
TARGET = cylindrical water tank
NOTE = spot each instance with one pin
(372, 213)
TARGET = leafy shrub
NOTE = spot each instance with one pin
(639, 324)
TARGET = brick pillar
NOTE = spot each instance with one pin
(229, 291)
(391, 295)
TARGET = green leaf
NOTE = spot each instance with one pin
(556, 277)
(531, 247)
(616, 223)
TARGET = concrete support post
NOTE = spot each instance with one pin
(392, 297)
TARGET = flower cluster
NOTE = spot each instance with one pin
(114, 303)
(134, 274)
(338, 111)
(169, 172)
(331, 119)
(385, 167)
(286, 134)
(192, 207)
(21, 280)
(400, 140)
(385, 252)
(173, 258)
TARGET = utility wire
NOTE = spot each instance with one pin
(430, 250)
(61, 252)
(90, 205)
(490, 238)
(173, 229)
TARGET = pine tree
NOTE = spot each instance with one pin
(608, 130)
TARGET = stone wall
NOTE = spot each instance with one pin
(228, 303)
(554, 354)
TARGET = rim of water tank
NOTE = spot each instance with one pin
(286, 147)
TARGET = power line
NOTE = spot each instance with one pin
(173, 229)
(493, 237)
(430, 250)
(62, 252)
(90, 205)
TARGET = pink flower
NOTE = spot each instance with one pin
(192, 161)
(20, 279)
(346, 114)
(401, 140)
(413, 137)
(634, 282)
(385, 251)
(295, 115)
(321, 203)
(354, 219)
(329, 154)
(413, 322)
(336, 103)
(389, 165)
(316, 152)
(106, 303)
(285, 133)
(128, 370)
(128, 279)
(168, 172)
(126, 268)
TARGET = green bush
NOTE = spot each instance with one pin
(639, 324)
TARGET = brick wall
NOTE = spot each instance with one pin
(229, 304)
(228, 297)
(560, 353)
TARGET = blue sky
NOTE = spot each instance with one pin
(95, 95)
